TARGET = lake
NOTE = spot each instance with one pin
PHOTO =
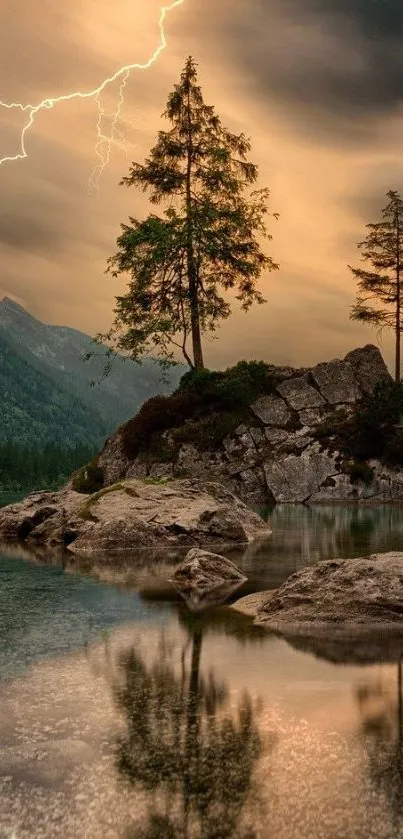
(123, 715)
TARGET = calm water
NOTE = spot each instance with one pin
(125, 717)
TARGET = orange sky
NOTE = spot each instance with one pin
(316, 84)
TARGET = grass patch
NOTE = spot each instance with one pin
(85, 511)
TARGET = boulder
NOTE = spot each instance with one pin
(206, 579)
(369, 367)
(135, 515)
(340, 592)
(336, 382)
(292, 479)
(206, 570)
(17, 521)
(272, 410)
(300, 394)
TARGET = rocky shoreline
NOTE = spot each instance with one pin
(133, 515)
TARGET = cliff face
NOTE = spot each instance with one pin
(274, 454)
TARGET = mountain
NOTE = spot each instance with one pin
(46, 386)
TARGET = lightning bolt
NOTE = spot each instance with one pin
(104, 141)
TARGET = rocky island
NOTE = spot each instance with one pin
(189, 468)
(265, 432)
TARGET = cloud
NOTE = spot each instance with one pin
(331, 65)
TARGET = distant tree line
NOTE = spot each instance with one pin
(27, 467)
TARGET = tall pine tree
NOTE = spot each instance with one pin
(379, 299)
(205, 243)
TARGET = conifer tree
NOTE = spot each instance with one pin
(379, 299)
(206, 241)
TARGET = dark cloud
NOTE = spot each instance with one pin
(333, 65)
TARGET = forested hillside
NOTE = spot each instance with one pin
(57, 353)
(35, 410)
(56, 408)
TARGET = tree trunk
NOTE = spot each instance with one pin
(398, 301)
(191, 261)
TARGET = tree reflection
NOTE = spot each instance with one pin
(382, 729)
(186, 748)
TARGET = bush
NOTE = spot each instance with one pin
(359, 471)
(206, 407)
(374, 429)
(89, 479)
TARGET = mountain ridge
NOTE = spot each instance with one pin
(50, 360)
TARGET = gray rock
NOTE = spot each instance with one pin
(258, 436)
(310, 417)
(205, 570)
(369, 367)
(113, 460)
(17, 521)
(275, 436)
(336, 382)
(300, 394)
(339, 591)
(297, 441)
(272, 411)
(294, 479)
(161, 470)
(135, 515)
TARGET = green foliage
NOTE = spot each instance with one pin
(206, 242)
(39, 467)
(37, 409)
(379, 297)
(373, 431)
(89, 479)
(207, 406)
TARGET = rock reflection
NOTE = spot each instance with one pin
(191, 753)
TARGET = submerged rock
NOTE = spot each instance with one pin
(134, 515)
(339, 592)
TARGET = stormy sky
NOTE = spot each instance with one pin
(316, 84)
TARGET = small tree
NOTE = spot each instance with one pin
(205, 242)
(379, 300)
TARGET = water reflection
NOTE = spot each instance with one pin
(185, 747)
(301, 536)
(381, 716)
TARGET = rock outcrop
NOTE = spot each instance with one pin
(134, 515)
(274, 456)
(342, 593)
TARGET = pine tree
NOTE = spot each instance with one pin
(206, 241)
(379, 300)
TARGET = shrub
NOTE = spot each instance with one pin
(206, 407)
(359, 471)
(89, 479)
(373, 431)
